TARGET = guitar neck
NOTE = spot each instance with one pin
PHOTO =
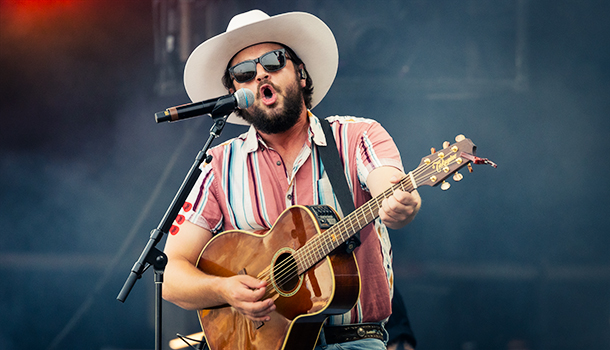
(323, 244)
(432, 171)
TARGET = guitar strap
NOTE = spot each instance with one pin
(336, 176)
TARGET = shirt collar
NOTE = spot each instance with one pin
(315, 130)
(252, 139)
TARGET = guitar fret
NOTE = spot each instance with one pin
(375, 213)
(298, 260)
(345, 234)
(351, 222)
(303, 260)
(358, 223)
(332, 238)
(352, 229)
(308, 256)
(371, 209)
(316, 253)
(364, 219)
(334, 235)
(328, 241)
(324, 245)
(309, 259)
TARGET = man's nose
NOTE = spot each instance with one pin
(261, 73)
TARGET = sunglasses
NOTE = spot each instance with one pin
(271, 61)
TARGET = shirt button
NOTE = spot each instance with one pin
(278, 163)
(289, 197)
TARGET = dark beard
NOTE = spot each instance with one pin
(283, 120)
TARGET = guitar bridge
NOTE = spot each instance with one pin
(324, 214)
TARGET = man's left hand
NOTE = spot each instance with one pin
(400, 208)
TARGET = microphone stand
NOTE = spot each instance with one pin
(153, 256)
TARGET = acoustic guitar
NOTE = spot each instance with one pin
(308, 277)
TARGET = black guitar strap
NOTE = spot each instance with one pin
(336, 176)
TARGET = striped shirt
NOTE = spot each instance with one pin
(247, 186)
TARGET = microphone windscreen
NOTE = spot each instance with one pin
(244, 98)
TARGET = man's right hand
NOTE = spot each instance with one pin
(244, 292)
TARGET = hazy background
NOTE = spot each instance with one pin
(516, 257)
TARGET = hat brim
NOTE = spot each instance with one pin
(305, 34)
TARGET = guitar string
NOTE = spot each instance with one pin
(286, 269)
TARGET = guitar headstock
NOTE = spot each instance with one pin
(438, 166)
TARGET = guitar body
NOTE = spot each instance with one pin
(303, 300)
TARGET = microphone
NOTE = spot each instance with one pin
(223, 105)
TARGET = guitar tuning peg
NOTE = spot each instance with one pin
(470, 168)
(432, 150)
(459, 138)
(457, 177)
(445, 185)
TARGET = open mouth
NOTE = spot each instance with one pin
(268, 94)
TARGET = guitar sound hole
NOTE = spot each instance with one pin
(285, 275)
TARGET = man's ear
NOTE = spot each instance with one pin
(302, 75)
(231, 90)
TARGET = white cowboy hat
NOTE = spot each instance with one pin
(305, 34)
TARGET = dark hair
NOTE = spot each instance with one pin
(307, 90)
